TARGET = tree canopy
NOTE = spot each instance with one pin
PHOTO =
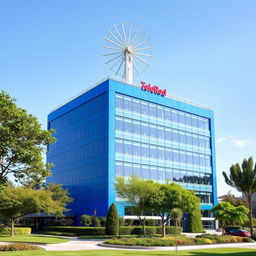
(137, 192)
(22, 144)
(228, 214)
(244, 180)
(172, 196)
(16, 202)
(147, 195)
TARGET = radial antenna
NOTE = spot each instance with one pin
(128, 50)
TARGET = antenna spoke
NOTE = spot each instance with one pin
(140, 37)
(119, 34)
(113, 42)
(115, 38)
(120, 66)
(145, 48)
(129, 36)
(112, 48)
(143, 42)
(135, 33)
(133, 62)
(141, 59)
(109, 54)
(124, 33)
(143, 54)
(114, 58)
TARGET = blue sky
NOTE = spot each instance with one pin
(202, 50)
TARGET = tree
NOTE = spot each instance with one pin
(95, 221)
(171, 196)
(194, 221)
(16, 202)
(228, 214)
(86, 220)
(112, 222)
(22, 143)
(244, 180)
(236, 201)
(176, 216)
(137, 192)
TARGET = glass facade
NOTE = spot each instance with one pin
(162, 143)
(80, 155)
(118, 129)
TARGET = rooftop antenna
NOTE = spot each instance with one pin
(128, 50)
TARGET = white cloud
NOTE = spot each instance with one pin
(240, 143)
(221, 139)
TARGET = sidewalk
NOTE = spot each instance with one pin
(97, 244)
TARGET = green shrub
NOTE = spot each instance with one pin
(128, 222)
(169, 230)
(103, 221)
(95, 221)
(56, 233)
(195, 222)
(139, 230)
(17, 231)
(124, 230)
(78, 231)
(248, 240)
(18, 247)
(86, 220)
(121, 221)
(150, 222)
(141, 242)
(203, 240)
(112, 223)
(216, 239)
(228, 228)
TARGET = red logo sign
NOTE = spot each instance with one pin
(153, 89)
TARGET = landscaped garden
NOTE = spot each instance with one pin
(178, 240)
(208, 252)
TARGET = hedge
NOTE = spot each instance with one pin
(79, 231)
(17, 231)
(124, 230)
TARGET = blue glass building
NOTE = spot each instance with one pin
(119, 129)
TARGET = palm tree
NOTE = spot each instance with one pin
(244, 180)
(176, 216)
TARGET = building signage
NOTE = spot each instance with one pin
(152, 89)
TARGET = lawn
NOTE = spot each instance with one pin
(34, 239)
(210, 252)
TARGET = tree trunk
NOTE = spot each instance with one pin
(144, 228)
(12, 227)
(163, 227)
(250, 214)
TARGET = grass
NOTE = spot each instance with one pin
(210, 252)
(34, 239)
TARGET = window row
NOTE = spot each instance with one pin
(161, 174)
(205, 197)
(161, 153)
(166, 113)
(161, 132)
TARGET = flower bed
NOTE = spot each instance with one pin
(178, 240)
(18, 247)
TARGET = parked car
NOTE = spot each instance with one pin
(238, 232)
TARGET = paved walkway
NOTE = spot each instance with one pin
(97, 244)
(76, 244)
